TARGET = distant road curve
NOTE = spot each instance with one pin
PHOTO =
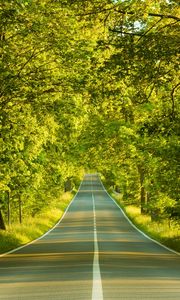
(93, 253)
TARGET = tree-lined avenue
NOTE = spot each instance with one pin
(60, 264)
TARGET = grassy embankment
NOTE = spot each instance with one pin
(162, 231)
(19, 234)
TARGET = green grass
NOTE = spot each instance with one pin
(19, 234)
(160, 231)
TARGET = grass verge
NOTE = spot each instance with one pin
(20, 234)
(159, 231)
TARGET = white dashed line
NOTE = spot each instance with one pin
(97, 293)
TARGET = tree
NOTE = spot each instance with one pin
(135, 90)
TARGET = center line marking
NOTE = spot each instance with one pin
(97, 292)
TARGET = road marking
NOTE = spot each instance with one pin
(144, 234)
(97, 293)
(46, 233)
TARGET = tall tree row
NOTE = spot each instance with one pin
(134, 121)
(44, 60)
(88, 84)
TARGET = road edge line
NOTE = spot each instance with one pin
(46, 233)
(133, 225)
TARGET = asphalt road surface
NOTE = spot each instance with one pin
(94, 253)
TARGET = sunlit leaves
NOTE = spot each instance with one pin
(93, 84)
(134, 97)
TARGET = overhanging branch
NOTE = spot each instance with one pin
(126, 33)
(125, 12)
(151, 15)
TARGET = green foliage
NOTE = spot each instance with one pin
(160, 231)
(88, 85)
(18, 235)
(39, 118)
(134, 94)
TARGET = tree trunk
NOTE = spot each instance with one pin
(68, 185)
(143, 200)
(9, 208)
(142, 190)
(20, 210)
(148, 199)
(2, 224)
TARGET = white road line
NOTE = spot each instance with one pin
(97, 292)
(145, 235)
(32, 242)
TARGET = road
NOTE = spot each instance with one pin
(94, 253)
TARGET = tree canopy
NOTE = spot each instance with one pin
(89, 85)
